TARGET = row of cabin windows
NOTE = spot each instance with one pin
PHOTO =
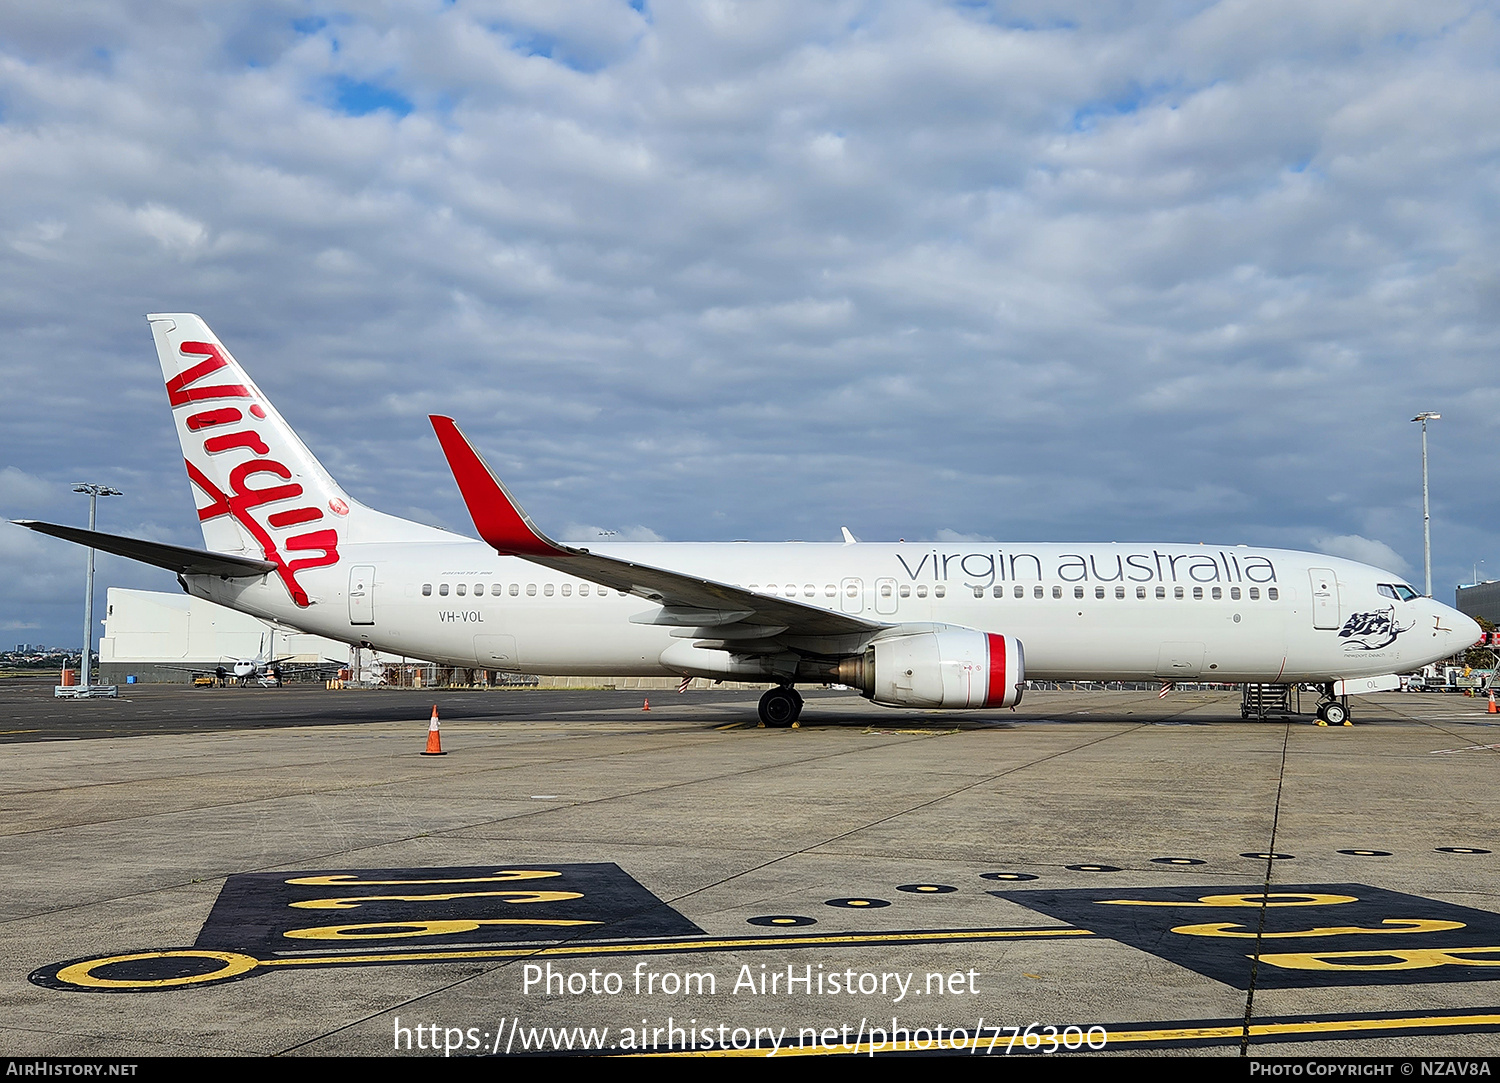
(1216, 593)
(514, 590)
(810, 590)
(886, 589)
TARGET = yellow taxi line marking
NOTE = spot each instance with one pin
(661, 947)
(1167, 1034)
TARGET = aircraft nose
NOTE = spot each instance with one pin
(1465, 630)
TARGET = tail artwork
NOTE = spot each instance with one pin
(261, 492)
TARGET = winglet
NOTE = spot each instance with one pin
(498, 518)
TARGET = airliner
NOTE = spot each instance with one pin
(907, 624)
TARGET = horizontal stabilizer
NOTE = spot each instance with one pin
(174, 558)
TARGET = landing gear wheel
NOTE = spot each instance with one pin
(779, 708)
(1335, 714)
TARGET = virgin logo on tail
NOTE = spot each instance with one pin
(243, 497)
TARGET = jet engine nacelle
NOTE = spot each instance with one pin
(939, 666)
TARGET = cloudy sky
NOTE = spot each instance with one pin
(711, 270)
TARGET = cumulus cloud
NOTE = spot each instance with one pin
(1364, 550)
(1047, 272)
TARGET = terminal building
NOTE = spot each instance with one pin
(1480, 600)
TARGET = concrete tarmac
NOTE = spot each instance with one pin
(243, 872)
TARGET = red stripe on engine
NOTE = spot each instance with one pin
(996, 644)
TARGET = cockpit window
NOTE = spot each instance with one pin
(1399, 591)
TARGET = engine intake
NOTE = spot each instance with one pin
(939, 667)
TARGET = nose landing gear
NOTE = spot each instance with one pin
(780, 707)
(1333, 713)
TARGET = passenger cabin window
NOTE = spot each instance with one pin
(921, 593)
(1120, 592)
(978, 593)
(460, 589)
(1271, 595)
(1198, 592)
(1098, 592)
(885, 592)
(939, 591)
(1140, 592)
(1036, 591)
(1255, 594)
(567, 590)
(809, 591)
(583, 590)
(1057, 592)
(478, 589)
(1078, 592)
(531, 590)
(905, 593)
(1217, 593)
(830, 591)
(1161, 592)
(515, 588)
(1177, 592)
(426, 593)
(851, 591)
(1234, 593)
(547, 590)
(442, 592)
(999, 591)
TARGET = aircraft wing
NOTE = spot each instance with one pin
(174, 558)
(688, 600)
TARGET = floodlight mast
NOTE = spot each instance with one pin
(94, 493)
(1424, 418)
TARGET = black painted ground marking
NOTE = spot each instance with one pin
(927, 889)
(1268, 857)
(857, 904)
(1178, 861)
(1460, 850)
(1315, 934)
(782, 920)
(266, 913)
(1366, 853)
(1007, 876)
(1093, 868)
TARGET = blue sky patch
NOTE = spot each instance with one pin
(357, 98)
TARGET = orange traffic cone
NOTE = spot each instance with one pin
(1493, 709)
(434, 741)
(647, 707)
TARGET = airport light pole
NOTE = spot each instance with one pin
(94, 493)
(1424, 418)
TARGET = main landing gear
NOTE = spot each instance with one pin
(780, 707)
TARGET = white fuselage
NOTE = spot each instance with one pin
(1086, 612)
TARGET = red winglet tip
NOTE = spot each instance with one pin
(497, 517)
